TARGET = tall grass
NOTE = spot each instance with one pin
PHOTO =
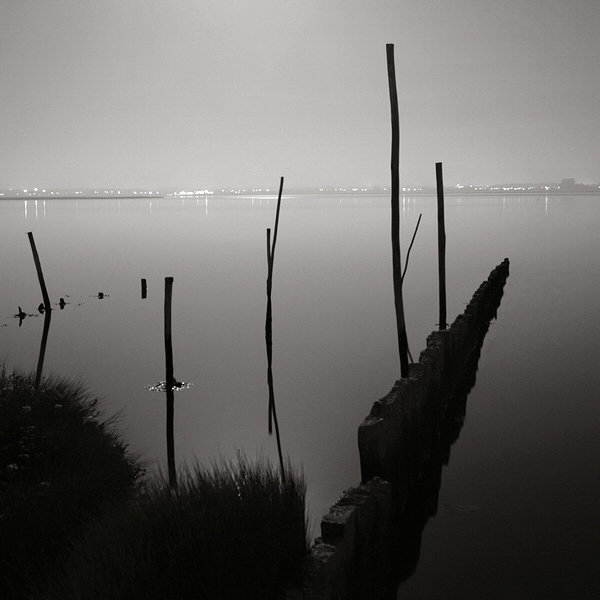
(74, 524)
(59, 465)
(234, 531)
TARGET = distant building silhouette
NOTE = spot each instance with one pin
(567, 185)
(570, 185)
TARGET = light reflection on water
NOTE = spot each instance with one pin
(161, 386)
(532, 419)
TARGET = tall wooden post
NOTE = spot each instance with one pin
(395, 176)
(441, 244)
(170, 383)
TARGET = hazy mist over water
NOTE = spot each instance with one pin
(526, 454)
(191, 95)
(130, 93)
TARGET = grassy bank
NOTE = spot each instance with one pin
(233, 531)
(74, 524)
(59, 465)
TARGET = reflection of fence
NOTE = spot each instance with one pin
(398, 441)
(422, 499)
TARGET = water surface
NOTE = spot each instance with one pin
(525, 463)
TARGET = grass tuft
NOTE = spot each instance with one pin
(75, 524)
(235, 531)
(59, 465)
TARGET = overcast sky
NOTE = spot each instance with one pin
(211, 93)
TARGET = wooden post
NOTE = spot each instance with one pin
(441, 244)
(170, 382)
(40, 274)
(412, 241)
(272, 250)
(268, 324)
(144, 289)
(395, 175)
(269, 331)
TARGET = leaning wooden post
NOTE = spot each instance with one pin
(268, 323)
(412, 241)
(272, 252)
(269, 331)
(170, 384)
(396, 258)
(40, 274)
(441, 244)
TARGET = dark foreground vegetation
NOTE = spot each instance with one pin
(75, 522)
(59, 465)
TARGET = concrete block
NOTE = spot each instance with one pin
(371, 440)
(339, 524)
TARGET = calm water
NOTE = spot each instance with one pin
(517, 510)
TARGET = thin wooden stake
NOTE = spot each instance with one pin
(412, 241)
(272, 251)
(395, 176)
(40, 274)
(441, 244)
(144, 289)
(170, 383)
(269, 331)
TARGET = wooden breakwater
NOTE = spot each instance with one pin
(353, 557)
(395, 438)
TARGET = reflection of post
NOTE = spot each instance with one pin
(441, 244)
(269, 330)
(40, 365)
(395, 176)
(47, 308)
(170, 382)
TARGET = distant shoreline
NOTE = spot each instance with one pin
(447, 192)
(65, 197)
